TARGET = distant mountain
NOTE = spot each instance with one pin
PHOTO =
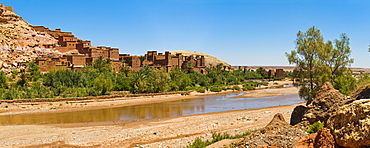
(286, 68)
(210, 60)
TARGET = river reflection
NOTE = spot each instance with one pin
(208, 104)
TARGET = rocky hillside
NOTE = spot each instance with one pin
(210, 60)
(346, 119)
(19, 42)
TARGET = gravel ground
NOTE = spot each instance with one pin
(170, 132)
(173, 132)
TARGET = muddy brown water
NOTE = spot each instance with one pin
(199, 105)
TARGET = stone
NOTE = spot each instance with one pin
(307, 141)
(350, 125)
(326, 102)
(362, 93)
(324, 139)
(297, 114)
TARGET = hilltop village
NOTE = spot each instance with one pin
(78, 53)
(22, 43)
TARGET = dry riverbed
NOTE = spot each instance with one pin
(170, 132)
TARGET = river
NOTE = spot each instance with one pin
(197, 105)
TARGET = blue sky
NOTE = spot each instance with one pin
(240, 32)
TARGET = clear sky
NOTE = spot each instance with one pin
(240, 32)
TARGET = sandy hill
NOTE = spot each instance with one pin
(210, 60)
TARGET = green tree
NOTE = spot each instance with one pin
(22, 79)
(139, 83)
(125, 69)
(185, 81)
(262, 72)
(188, 67)
(122, 82)
(102, 65)
(3, 81)
(159, 79)
(318, 61)
(34, 71)
(103, 84)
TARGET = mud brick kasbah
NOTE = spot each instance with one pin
(78, 53)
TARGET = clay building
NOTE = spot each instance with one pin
(49, 64)
(271, 72)
(132, 61)
(279, 73)
(169, 61)
(79, 53)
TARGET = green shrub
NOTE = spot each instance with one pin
(248, 87)
(215, 89)
(264, 83)
(235, 88)
(200, 90)
(11, 94)
(199, 143)
(315, 127)
(185, 94)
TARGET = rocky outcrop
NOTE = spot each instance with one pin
(351, 124)
(362, 93)
(19, 43)
(277, 133)
(326, 102)
(298, 114)
(324, 139)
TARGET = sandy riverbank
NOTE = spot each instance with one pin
(62, 106)
(172, 132)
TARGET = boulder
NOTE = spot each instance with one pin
(307, 141)
(350, 125)
(326, 102)
(298, 114)
(362, 93)
(324, 139)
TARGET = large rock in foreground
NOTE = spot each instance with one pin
(326, 102)
(362, 93)
(297, 114)
(278, 133)
(324, 139)
(350, 125)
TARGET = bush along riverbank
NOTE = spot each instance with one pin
(100, 80)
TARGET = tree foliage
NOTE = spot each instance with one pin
(99, 79)
(318, 61)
